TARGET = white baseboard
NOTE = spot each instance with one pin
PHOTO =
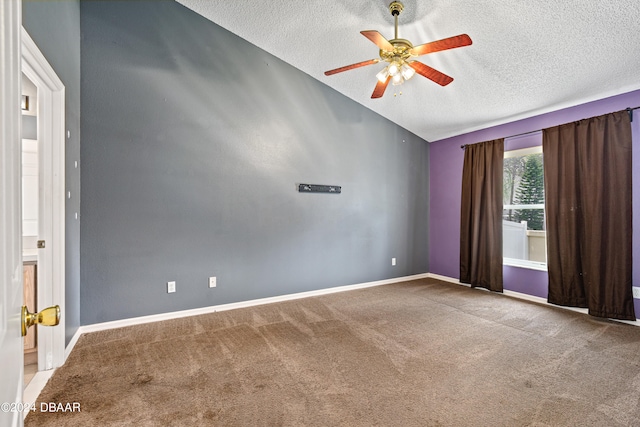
(447, 279)
(35, 386)
(527, 297)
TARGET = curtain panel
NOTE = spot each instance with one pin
(481, 215)
(587, 177)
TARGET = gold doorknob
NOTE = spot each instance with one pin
(49, 317)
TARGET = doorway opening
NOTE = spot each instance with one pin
(30, 213)
(49, 254)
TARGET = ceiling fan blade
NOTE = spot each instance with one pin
(378, 39)
(380, 88)
(430, 73)
(444, 44)
(351, 67)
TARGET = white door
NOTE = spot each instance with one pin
(10, 216)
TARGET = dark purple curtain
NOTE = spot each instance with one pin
(481, 215)
(587, 177)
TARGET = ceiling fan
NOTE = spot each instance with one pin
(399, 53)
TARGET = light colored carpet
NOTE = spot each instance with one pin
(419, 353)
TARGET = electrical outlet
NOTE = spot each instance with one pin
(393, 261)
(636, 292)
(171, 287)
(212, 282)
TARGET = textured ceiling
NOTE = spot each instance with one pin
(527, 57)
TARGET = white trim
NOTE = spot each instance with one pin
(526, 297)
(51, 262)
(34, 388)
(536, 206)
(537, 149)
(531, 298)
(447, 279)
(524, 263)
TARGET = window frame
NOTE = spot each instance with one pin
(515, 262)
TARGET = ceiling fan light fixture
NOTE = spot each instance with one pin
(397, 79)
(406, 71)
(383, 74)
(394, 68)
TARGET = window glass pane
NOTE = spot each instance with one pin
(524, 233)
(522, 242)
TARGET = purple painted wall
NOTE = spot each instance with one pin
(446, 181)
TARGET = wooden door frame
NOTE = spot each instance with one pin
(51, 225)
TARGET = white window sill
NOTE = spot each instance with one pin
(521, 263)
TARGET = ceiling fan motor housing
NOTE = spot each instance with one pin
(395, 8)
(401, 50)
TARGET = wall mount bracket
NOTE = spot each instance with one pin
(316, 188)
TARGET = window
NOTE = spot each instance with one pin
(523, 221)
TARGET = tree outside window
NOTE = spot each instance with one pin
(513, 170)
(531, 192)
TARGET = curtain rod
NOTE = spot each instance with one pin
(629, 110)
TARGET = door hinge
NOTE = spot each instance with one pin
(40, 244)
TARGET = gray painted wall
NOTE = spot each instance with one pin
(54, 25)
(193, 141)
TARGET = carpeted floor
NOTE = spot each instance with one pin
(419, 353)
